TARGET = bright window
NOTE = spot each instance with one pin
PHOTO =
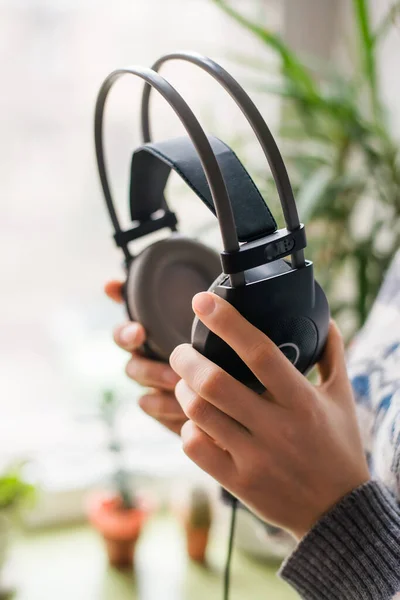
(56, 348)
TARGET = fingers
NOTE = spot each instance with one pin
(165, 409)
(160, 405)
(151, 373)
(216, 386)
(226, 432)
(200, 448)
(113, 289)
(260, 354)
(174, 426)
(129, 336)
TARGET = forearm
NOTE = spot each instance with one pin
(353, 552)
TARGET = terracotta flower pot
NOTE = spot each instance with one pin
(196, 542)
(120, 527)
(121, 553)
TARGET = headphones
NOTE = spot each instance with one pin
(264, 273)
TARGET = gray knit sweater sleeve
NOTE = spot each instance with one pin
(353, 552)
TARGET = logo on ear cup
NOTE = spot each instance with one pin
(297, 339)
(291, 351)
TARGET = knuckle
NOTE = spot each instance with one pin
(197, 409)
(192, 444)
(249, 477)
(309, 406)
(261, 353)
(211, 383)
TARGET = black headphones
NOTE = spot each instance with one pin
(277, 295)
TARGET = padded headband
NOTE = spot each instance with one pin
(257, 123)
(152, 164)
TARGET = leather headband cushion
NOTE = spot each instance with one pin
(161, 283)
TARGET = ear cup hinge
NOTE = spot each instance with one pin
(167, 219)
(264, 250)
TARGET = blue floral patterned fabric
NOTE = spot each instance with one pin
(374, 370)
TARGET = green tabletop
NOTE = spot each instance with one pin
(70, 564)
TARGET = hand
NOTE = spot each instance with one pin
(160, 401)
(289, 454)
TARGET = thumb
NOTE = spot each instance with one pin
(332, 366)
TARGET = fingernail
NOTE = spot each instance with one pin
(203, 303)
(129, 333)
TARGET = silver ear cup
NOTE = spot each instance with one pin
(161, 283)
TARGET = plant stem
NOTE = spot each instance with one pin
(368, 54)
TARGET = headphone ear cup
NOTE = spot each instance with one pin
(161, 283)
(286, 304)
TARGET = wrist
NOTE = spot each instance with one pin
(303, 527)
(352, 552)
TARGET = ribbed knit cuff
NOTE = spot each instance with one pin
(353, 552)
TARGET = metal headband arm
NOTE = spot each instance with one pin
(257, 123)
(208, 160)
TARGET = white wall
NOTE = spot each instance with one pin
(389, 64)
(310, 26)
(323, 28)
(55, 238)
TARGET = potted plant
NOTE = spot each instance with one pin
(197, 525)
(118, 516)
(14, 492)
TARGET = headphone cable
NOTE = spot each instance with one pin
(227, 575)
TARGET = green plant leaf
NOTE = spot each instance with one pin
(313, 192)
(367, 52)
(290, 64)
(14, 490)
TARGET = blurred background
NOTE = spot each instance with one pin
(325, 76)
